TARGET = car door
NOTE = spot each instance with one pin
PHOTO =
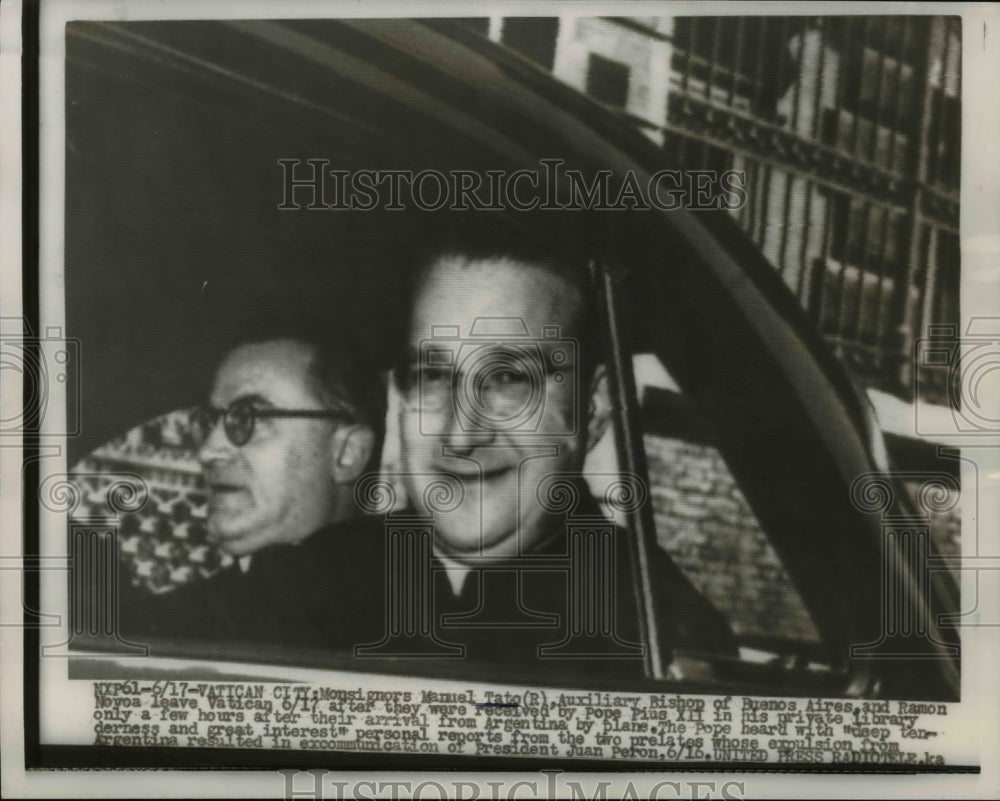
(749, 446)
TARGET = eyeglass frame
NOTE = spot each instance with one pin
(215, 413)
(405, 385)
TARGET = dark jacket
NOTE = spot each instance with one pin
(286, 600)
(534, 616)
(337, 593)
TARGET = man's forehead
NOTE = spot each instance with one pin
(277, 371)
(508, 349)
(483, 296)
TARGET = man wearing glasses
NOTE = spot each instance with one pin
(282, 441)
(502, 396)
(287, 429)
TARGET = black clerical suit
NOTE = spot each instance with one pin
(518, 617)
(285, 601)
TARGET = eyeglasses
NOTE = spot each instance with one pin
(500, 386)
(435, 389)
(239, 419)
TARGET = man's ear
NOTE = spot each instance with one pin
(599, 411)
(351, 450)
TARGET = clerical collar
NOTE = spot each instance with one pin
(244, 562)
(456, 571)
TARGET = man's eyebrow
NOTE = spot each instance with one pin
(415, 357)
(254, 397)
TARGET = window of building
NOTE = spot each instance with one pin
(607, 81)
(878, 98)
(478, 24)
(945, 158)
(735, 60)
(534, 37)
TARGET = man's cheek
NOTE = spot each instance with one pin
(414, 452)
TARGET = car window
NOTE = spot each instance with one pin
(162, 542)
(701, 516)
(704, 521)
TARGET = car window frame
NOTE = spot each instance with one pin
(715, 242)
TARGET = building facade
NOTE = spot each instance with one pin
(848, 130)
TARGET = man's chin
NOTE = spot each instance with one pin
(234, 542)
(462, 548)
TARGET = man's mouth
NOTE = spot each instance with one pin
(223, 488)
(485, 474)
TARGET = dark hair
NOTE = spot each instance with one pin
(344, 373)
(553, 258)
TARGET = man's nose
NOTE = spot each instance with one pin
(216, 446)
(463, 435)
